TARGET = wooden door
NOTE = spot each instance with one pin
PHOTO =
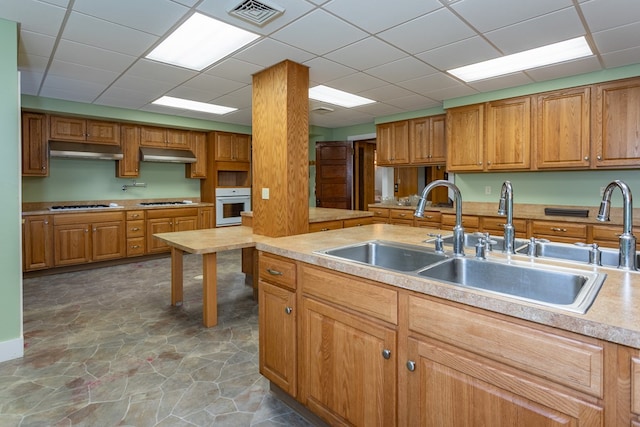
(348, 376)
(508, 139)
(465, 138)
(108, 240)
(334, 175)
(364, 175)
(37, 238)
(35, 155)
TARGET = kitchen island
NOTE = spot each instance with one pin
(366, 346)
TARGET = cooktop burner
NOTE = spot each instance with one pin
(162, 203)
(71, 207)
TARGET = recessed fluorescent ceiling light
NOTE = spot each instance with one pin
(337, 97)
(533, 58)
(186, 104)
(200, 42)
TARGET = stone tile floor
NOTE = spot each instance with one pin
(104, 347)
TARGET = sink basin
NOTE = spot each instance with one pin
(389, 255)
(569, 252)
(564, 288)
(471, 239)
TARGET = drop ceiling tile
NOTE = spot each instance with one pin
(375, 15)
(464, 52)
(33, 15)
(212, 85)
(81, 73)
(621, 57)
(378, 109)
(69, 89)
(489, 15)
(146, 68)
(428, 32)
(603, 14)
(553, 27)
(319, 33)
(424, 85)
(413, 102)
(267, 52)
(511, 80)
(366, 53)
(35, 43)
(403, 69)
(151, 16)
(619, 38)
(240, 98)
(130, 98)
(385, 92)
(235, 70)
(153, 88)
(78, 53)
(322, 70)
(30, 82)
(451, 92)
(565, 69)
(188, 3)
(357, 83)
(106, 35)
(34, 63)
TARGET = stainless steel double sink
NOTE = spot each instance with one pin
(569, 289)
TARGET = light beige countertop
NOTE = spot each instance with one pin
(212, 240)
(525, 211)
(327, 214)
(614, 316)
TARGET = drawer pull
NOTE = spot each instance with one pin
(411, 365)
(288, 310)
(428, 216)
(134, 246)
(386, 353)
(403, 215)
(274, 272)
(563, 230)
(135, 229)
(324, 229)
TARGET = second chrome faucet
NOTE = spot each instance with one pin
(506, 208)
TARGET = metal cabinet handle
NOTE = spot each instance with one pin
(134, 246)
(403, 215)
(563, 230)
(288, 310)
(386, 353)
(274, 272)
(135, 228)
(324, 229)
(411, 365)
(95, 229)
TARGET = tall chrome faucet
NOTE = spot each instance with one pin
(458, 230)
(505, 207)
(627, 255)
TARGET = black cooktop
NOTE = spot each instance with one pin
(70, 207)
(162, 203)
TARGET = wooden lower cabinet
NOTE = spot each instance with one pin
(37, 237)
(167, 221)
(565, 232)
(89, 237)
(470, 223)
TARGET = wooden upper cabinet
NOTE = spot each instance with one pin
(35, 155)
(129, 166)
(153, 136)
(616, 124)
(427, 140)
(84, 130)
(392, 143)
(562, 129)
(465, 138)
(232, 147)
(198, 144)
(508, 134)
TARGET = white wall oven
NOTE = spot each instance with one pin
(230, 201)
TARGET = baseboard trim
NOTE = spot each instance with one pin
(12, 349)
(297, 406)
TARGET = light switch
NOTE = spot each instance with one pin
(265, 194)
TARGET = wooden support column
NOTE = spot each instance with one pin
(280, 136)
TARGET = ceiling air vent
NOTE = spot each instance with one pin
(322, 110)
(256, 12)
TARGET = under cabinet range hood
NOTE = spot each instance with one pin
(166, 155)
(75, 150)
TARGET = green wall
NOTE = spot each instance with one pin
(11, 340)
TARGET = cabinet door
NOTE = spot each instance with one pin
(198, 144)
(508, 140)
(153, 137)
(177, 138)
(101, 132)
(465, 138)
(67, 128)
(348, 367)
(223, 143)
(437, 139)
(243, 147)
(72, 244)
(384, 144)
(419, 139)
(562, 129)
(185, 223)
(158, 225)
(108, 240)
(35, 155)
(447, 388)
(392, 143)
(206, 218)
(129, 166)
(37, 242)
(278, 357)
(616, 124)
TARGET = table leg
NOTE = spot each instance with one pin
(209, 290)
(176, 276)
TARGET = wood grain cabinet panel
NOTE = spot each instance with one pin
(465, 138)
(470, 223)
(562, 129)
(559, 231)
(37, 241)
(380, 215)
(427, 140)
(232, 147)
(198, 144)
(616, 124)
(508, 134)
(153, 136)
(84, 130)
(129, 166)
(35, 150)
(167, 221)
(392, 143)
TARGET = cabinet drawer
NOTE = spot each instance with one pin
(430, 217)
(278, 270)
(606, 232)
(80, 218)
(570, 360)
(468, 221)
(496, 225)
(135, 228)
(351, 292)
(560, 229)
(135, 246)
(357, 222)
(133, 215)
(401, 214)
(380, 212)
(171, 212)
(324, 226)
(635, 385)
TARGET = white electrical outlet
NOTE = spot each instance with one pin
(265, 194)
(487, 189)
